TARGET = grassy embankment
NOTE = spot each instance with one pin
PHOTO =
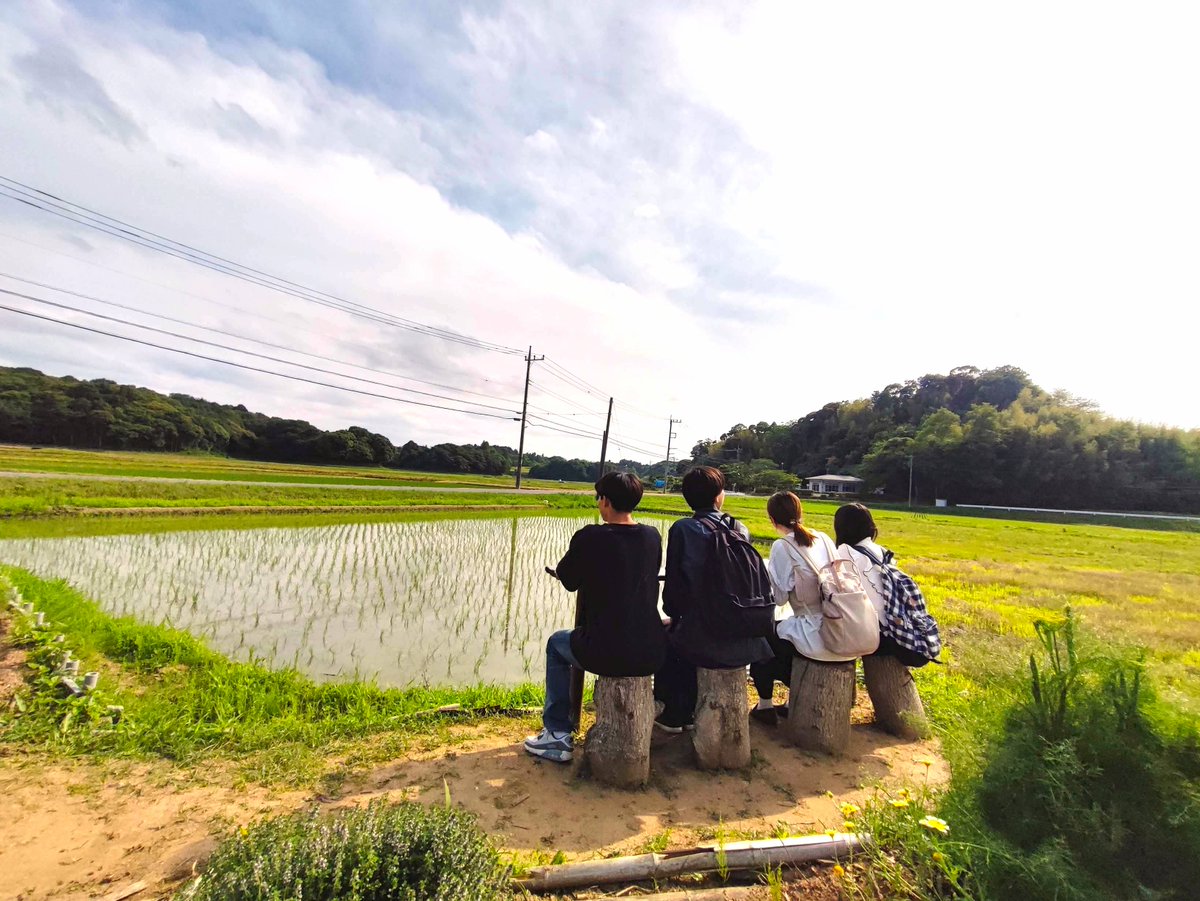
(145, 464)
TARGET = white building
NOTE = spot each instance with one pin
(830, 484)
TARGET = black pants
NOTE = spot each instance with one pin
(675, 686)
(777, 669)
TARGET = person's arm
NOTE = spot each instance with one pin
(780, 569)
(674, 593)
(572, 567)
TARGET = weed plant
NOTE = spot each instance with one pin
(403, 852)
(1093, 774)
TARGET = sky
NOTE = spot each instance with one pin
(718, 216)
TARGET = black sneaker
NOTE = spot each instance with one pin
(672, 728)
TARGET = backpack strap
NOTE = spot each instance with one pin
(888, 556)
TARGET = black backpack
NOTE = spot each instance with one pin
(735, 600)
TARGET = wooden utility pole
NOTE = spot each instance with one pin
(667, 464)
(604, 443)
(530, 359)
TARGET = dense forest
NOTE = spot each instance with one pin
(101, 414)
(987, 437)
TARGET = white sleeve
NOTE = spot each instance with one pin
(779, 568)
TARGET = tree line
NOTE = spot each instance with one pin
(103, 415)
(977, 436)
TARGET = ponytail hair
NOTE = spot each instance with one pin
(784, 509)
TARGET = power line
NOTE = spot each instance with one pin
(250, 353)
(240, 337)
(565, 400)
(283, 375)
(109, 225)
(567, 425)
(538, 425)
(241, 311)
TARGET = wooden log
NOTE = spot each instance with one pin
(617, 747)
(819, 702)
(756, 855)
(722, 735)
(893, 692)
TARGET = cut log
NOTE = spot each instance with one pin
(819, 704)
(722, 736)
(898, 707)
(756, 855)
(617, 747)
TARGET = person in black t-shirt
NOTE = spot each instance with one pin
(614, 567)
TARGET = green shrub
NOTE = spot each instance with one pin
(403, 852)
(1086, 775)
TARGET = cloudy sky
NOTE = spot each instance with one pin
(717, 216)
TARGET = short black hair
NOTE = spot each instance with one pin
(853, 523)
(623, 490)
(701, 485)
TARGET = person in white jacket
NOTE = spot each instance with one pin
(855, 532)
(795, 559)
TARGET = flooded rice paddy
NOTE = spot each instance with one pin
(444, 602)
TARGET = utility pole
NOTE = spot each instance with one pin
(604, 443)
(667, 466)
(910, 469)
(530, 359)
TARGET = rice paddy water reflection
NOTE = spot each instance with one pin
(444, 602)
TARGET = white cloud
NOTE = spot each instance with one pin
(641, 196)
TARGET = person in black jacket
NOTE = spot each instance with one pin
(691, 643)
(614, 567)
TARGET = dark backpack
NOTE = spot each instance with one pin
(735, 600)
(907, 619)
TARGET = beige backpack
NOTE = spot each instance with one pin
(849, 622)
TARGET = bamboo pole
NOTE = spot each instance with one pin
(755, 855)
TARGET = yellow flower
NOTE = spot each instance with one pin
(849, 826)
(849, 810)
(926, 762)
(938, 856)
(935, 825)
(838, 870)
(904, 793)
(243, 831)
(831, 833)
(902, 802)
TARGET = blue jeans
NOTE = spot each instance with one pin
(556, 715)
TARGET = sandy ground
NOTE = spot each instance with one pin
(88, 829)
(84, 831)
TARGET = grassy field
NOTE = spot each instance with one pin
(1135, 593)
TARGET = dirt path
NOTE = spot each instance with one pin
(83, 831)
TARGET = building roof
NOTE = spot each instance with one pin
(832, 478)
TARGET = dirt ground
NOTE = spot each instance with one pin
(89, 829)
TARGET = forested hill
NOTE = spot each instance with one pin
(101, 414)
(988, 437)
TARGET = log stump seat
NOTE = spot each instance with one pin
(617, 748)
(722, 734)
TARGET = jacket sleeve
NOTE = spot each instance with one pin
(674, 590)
(573, 565)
